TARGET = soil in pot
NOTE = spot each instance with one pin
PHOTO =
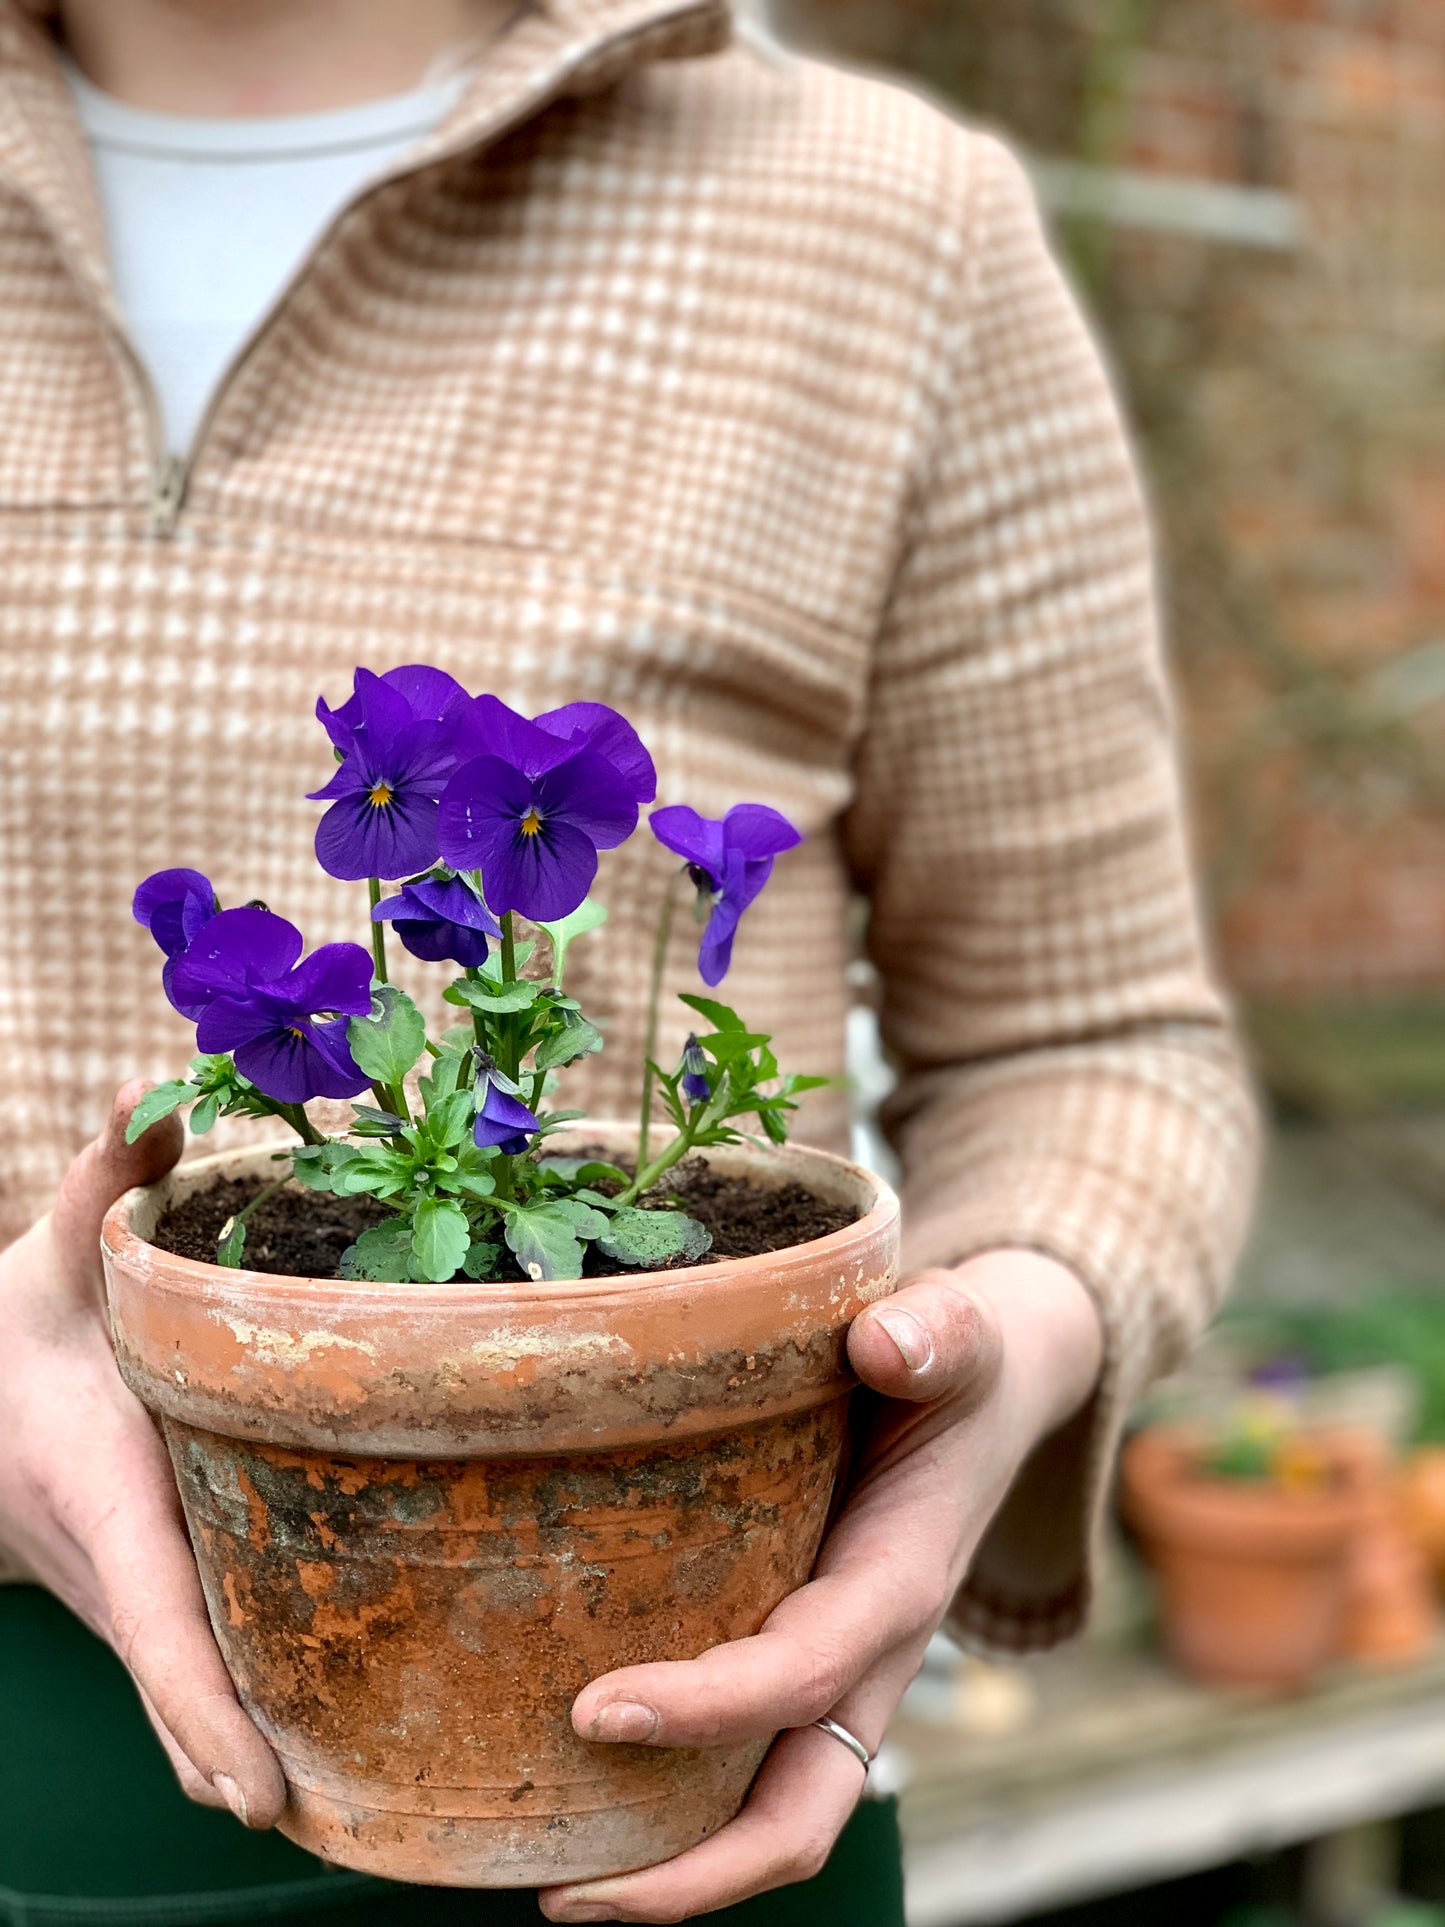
(426, 1515)
(302, 1234)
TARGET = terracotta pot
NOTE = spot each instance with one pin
(426, 1515)
(1253, 1578)
(1422, 1502)
(1391, 1616)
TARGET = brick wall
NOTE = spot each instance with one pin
(1272, 288)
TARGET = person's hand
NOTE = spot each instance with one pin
(976, 1366)
(88, 1505)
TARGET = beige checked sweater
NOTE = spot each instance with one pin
(744, 395)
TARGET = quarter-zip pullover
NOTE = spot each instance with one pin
(744, 396)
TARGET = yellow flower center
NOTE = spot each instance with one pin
(295, 1030)
(531, 823)
(379, 795)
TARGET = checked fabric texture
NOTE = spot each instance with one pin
(740, 393)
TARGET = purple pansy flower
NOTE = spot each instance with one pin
(729, 861)
(430, 694)
(502, 1118)
(173, 905)
(695, 1086)
(532, 808)
(287, 1032)
(233, 950)
(395, 764)
(441, 918)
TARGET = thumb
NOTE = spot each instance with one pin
(104, 1170)
(932, 1339)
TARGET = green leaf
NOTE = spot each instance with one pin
(368, 1121)
(586, 917)
(543, 1240)
(731, 1046)
(440, 1238)
(445, 1075)
(521, 957)
(649, 1238)
(204, 1114)
(315, 1165)
(157, 1104)
(574, 1038)
(382, 1253)
(594, 1173)
(585, 1221)
(481, 1258)
(795, 1086)
(720, 1016)
(232, 1243)
(493, 1000)
(383, 1177)
(389, 1040)
(471, 1174)
(449, 1121)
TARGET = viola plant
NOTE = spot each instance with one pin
(478, 834)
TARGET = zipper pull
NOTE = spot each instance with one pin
(168, 492)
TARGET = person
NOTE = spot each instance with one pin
(593, 350)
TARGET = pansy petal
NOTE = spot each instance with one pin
(759, 831)
(334, 1070)
(431, 694)
(493, 729)
(358, 838)
(696, 839)
(612, 736)
(237, 947)
(502, 1121)
(587, 793)
(454, 899)
(337, 976)
(487, 795)
(715, 953)
(166, 892)
(229, 1022)
(283, 1064)
(544, 876)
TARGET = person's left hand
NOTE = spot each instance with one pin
(976, 1366)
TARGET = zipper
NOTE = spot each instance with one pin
(168, 492)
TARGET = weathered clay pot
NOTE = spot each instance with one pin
(426, 1515)
(1253, 1578)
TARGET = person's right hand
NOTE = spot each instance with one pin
(88, 1504)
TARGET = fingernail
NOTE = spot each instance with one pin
(623, 1720)
(587, 1906)
(914, 1342)
(233, 1797)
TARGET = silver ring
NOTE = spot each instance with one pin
(854, 1745)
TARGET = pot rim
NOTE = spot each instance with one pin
(122, 1241)
(473, 1369)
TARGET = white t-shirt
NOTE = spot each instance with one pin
(207, 220)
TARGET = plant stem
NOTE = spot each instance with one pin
(378, 932)
(647, 1175)
(300, 1123)
(654, 1010)
(240, 1217)
(507, 1045)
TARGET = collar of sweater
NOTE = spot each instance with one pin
(552, 49)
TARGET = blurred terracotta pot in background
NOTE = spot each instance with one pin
(427, 1515)
(1254, 1577)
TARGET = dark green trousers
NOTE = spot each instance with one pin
(93, 1827)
